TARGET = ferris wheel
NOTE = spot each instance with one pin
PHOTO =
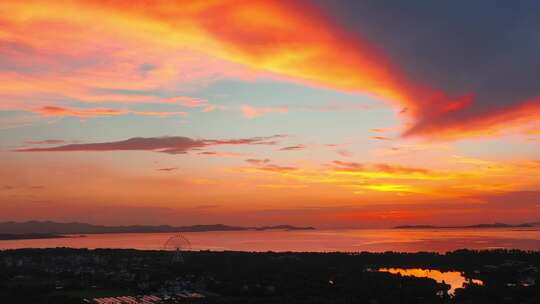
(178, 244)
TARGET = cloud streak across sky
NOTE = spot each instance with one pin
(166, 144)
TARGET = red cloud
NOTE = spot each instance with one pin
(455, 124)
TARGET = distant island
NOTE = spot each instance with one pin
(48, 228)
(28, 236)
(495, 225)
(282, 227)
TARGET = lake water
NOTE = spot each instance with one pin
(439, 240)
(455, 279)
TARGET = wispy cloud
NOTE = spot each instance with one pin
(261, 140)
(221, 154)
(266, 165)
(254, 161)
(76, 112)
(96, 112)
(380, 130)
(341, 165)
(386, 168)
(159, 114)
(45, 142)
(380, 138)
(277, 168)
(344, 153)
(293, 148)
(338, 106)
(252, 111)
(170, 169)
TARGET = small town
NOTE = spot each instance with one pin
(114, 276)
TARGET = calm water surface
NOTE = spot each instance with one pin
(455, 279)
(439, 240)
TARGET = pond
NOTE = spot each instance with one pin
(455, 279)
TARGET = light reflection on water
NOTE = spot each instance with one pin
(376, 240)
(455, 279)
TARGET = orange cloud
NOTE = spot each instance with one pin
(380, 138)
(95, 112)
(378, 215)
(384, 171)
(400, 169)
(276, 168)
(379, 130)
(399, 183)
(387, 188)
(82, 113)
(159, 114)
(291, 39)
(533, 132)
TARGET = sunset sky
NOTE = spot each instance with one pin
(343, 113)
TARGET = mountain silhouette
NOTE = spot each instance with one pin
(48, 227)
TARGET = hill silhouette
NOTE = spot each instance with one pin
(49, 227)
